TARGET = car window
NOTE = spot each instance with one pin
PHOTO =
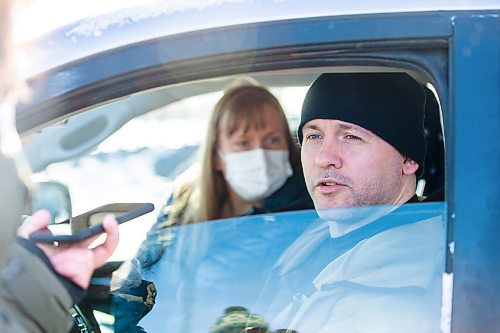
(144, 159)
(274, 268)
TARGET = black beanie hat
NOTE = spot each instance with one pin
(391, 105)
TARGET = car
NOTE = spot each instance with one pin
(119, 107)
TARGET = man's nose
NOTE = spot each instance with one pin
(329, 155)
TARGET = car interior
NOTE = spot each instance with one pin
(83, 146)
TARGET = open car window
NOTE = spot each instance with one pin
(144, 157)
(268, 267)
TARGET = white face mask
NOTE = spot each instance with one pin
(255, 174)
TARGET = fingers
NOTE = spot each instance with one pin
(105, 250)
(76, 264)
(75, 261)
(39, 220)
(88, 241)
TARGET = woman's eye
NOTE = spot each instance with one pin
(274, 140)
(241, 144)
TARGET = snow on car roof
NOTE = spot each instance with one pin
(153, 19)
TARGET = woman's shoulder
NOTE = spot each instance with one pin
(178, 203)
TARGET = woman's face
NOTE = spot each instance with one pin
(272, 135)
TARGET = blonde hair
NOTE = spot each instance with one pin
(236, 108)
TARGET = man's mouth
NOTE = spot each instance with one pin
(329, 186)
(329, 182)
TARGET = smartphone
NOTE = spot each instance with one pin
(47, 237)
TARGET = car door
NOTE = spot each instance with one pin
(456, 53)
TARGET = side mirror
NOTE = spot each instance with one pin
(54, 197)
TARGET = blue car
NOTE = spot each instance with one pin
(119, 108)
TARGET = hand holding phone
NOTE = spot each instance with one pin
(46, 237)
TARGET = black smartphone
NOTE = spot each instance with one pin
(47, 237)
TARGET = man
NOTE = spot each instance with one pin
(38, 284)
(370, 264)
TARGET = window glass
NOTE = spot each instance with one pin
(292, 271)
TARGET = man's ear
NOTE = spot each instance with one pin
(409, 166)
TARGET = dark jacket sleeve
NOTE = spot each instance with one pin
(75, 291)
(33, 295)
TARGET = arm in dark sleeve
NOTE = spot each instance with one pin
(75, 291)
(35, 298)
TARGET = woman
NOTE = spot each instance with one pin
(250, 163)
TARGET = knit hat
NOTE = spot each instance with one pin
(391, 105)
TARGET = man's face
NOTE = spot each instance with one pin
(346, 165)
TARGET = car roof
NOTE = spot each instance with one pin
(96, 34)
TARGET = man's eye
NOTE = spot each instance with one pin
(313, 136)
(352, 137)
